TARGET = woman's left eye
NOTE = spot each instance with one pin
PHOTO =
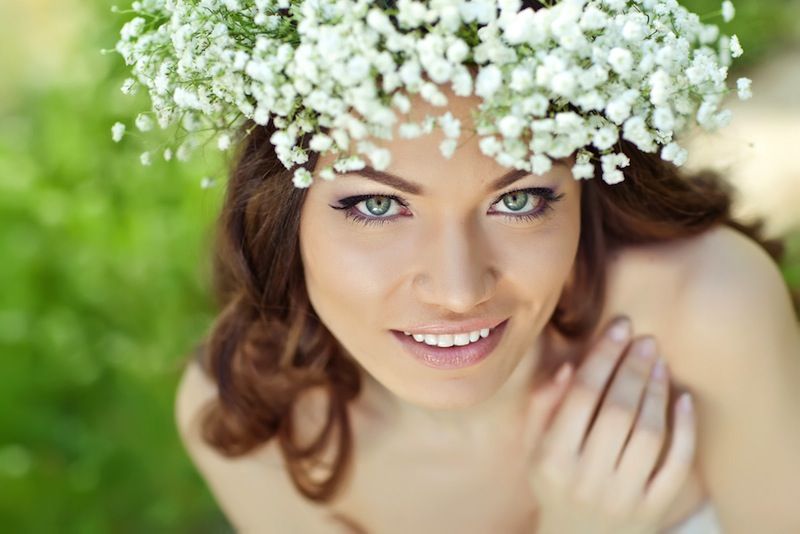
(541, 198)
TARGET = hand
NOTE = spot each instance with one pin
(605, 484)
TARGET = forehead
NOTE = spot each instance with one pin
(420, 159)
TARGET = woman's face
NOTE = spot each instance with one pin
(455, 250)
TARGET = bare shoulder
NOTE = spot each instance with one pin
(254, 490)
(694, 293)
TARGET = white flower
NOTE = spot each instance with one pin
(450, 125)
(621, 60)
(728, 11)
(564, 84)
(302, 178)
(521, 79)
(536, 105)
(736, 47)
(510, 126)
(640, 69)
(224, 141)
(610, 164)
(117, 131)
(743, 87)
(448, 147)
(167, 154)
(663, 119)
(675, 153)
(583, 170)
(320, 142)
(541, 164)
(129, 87)
(605, 137)
(145, 158)
(144, 123)
(457, 51)
(327, 173)
(618, 110)
(520, 27)
(409, 130)
(490, 145)
(488, 81)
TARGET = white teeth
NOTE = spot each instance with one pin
(445, 340)
(461, 339)
(448, 340)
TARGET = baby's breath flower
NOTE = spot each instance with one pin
(743, 88)
(144, 123)
(675, 153)
(728, 11)
(304, 66)
(129, 86)
(117, 131)
(223, 142)
(736, 47)
(145, 158)
(302, 178)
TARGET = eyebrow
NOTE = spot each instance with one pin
(415, 189)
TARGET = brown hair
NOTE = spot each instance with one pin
(267, 345)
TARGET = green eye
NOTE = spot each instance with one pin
(379, 207)
(518, 200)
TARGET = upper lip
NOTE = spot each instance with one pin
(461, 327)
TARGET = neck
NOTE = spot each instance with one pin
(477, 424)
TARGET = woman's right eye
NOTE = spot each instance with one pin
(377, 204)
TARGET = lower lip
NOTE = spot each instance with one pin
(454, 357)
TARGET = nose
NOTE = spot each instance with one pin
(457, 272)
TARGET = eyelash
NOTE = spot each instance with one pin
(548, 195)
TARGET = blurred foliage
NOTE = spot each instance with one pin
(105, 264)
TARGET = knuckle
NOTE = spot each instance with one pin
(584, 493)
(624, 398)
(618, 411)
(586, 391)
(618, 508)
(648, 440)
(554, 472)
(652, 422)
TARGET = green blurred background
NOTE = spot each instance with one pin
(106, 279)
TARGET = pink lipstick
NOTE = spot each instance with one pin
(454, 357)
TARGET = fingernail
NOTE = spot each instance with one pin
(563, 373)
(645, 347)
(685, 403)
(620, 330)
(659, 370)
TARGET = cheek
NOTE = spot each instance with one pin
(539, 264)
(341, 272)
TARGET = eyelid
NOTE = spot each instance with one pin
(547, 192)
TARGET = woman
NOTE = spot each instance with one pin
(328, 396)
(309, 361)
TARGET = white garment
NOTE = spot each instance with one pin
(703, 521)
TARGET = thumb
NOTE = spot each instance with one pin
(543, 404)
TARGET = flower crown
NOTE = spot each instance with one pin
(564, 78)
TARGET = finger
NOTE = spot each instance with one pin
(647, 439)
(571, 422)
(543, 404)
(617, 416)
(680, 457)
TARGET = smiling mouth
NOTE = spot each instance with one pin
(454, 357)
